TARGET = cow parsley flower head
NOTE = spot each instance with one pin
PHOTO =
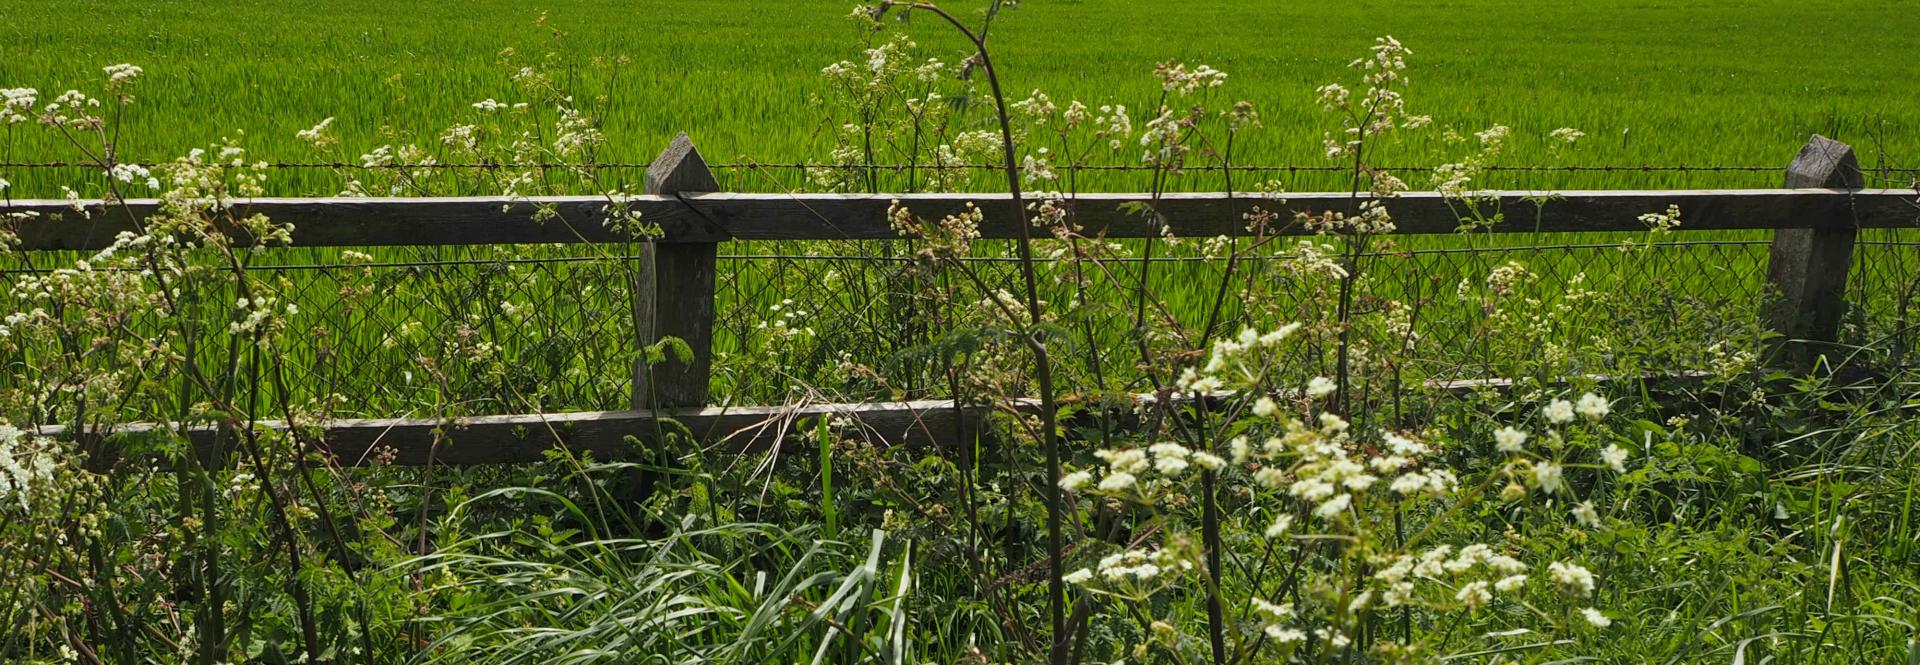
(1509, 440)
(1320, 387)
(1265, 407)
(1572, 576)
(1594, 617)
(1548, 476)
(1558, 412)
(1333, 507)
(1594, 407)
(1117, 481)
(1475, 594)
(1279, 527)
(1615, 458)
(1586, 515)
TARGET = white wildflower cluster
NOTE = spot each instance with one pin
(1726, 363)
(1455, 179)
(213, 180)
(1175, 77)
(1114, 125)
(950, 237)
(575, 134)
(320, 135)
(260, 314)
(16, 104)
(1141, 472)
(624, 219)
(1315, 260)
(71, 110)
(1162, 141)
(1659, 226)
(1050, 210)
(1235, 360)
(1566, 135)
(464, 138)
(1379, 109)
(25, 463)
(132, 174)
(1035, 169)
(1503, 279)
(786, 321)
(1037, 107)
(121, 73)
(1545, 468)
(1445, 577)
(1373, 219)
(1662, 221)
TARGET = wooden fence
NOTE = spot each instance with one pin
(1814, 218)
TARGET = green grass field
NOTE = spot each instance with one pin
(1667, 83)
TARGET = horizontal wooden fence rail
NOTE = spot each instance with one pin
(731, 430)
(717, 217)
(1815, 218)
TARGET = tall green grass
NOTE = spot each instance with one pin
(1702, 82)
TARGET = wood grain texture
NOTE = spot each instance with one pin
(933, 425)
(1809, 266)
(523, 438)
(674, 289)
(714, 217)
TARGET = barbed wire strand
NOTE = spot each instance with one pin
(1309, 168)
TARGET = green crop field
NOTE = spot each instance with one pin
(1650, 472)
(1696, 83)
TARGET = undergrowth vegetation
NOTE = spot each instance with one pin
(1257, 448)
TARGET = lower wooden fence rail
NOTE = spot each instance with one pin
(611, 435)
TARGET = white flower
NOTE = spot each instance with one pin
(1548, 476)
(1117, 481)
(1474, 594)
(1072, 482)
(1168, 449)
(1080, 576)
(1171, 466)
(1280, 525)
(1596, 618)
(1559, 412)
(1594, 407)
(1320, 387)
(1615, 457)
(1264, 407)
(1566, 134)
(1283, 635)
(1509, 440)
(1571, 576)
(1332, 423)
(121, 72)
(1510, 583)
(1333, 506)
(1586, 515)
(1240, 450)
(1208, 461)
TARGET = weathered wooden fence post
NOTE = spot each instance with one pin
(673, 293)
(1809, 266)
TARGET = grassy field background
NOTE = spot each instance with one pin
(1651, 83)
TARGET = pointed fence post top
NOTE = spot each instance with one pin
(1824, 162)
(680, 168)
